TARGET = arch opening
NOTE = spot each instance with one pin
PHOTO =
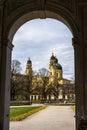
(37, 32)
(34, 97)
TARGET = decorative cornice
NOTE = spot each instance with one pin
(8, 44)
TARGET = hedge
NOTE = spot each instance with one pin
(19, 103)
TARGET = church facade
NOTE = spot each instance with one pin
(51, 87)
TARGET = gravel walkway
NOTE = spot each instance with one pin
(51, 118)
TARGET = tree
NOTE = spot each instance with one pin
(15, 78)
(52, 89)
(16, 86)
(41, 82)
(26, 87)
(15, 67)
(43, 72)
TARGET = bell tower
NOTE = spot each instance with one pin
(55, 69)
(52, 68)
(29, 68)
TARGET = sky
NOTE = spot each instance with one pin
(38, 39)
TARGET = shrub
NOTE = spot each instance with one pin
(19, 103)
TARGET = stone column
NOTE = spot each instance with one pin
(1, 23)
(52, 97)
(36, 97)
(85, 78)
(5, 84)
(80, 89)
(83, 120)
(66, 97)
(30, 97)
(47, 97)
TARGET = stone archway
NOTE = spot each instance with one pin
(73, 14)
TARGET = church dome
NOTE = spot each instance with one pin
(59, 66)
(52, 57)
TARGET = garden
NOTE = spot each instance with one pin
(20, 113)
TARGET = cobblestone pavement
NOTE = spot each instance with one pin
(51, 118)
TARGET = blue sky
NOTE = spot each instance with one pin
(38, 39)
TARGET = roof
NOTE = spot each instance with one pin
(59, 66)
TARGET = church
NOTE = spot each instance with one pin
(52, 87)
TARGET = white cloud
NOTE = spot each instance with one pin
(38, 38)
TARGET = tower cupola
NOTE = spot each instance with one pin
(29, 67)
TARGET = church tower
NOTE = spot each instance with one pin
(55, 69)
(29, 68)
(52, 69)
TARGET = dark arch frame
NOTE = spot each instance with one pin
(26, 12)
(61, 14)
(67, 20)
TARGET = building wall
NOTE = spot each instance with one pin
(54, 81)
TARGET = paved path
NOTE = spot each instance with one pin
(51, 118)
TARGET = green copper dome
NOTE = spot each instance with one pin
(59, 66)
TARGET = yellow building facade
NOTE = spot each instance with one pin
(54, 85)
(56, 71)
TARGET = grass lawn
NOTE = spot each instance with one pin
(19, 113)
